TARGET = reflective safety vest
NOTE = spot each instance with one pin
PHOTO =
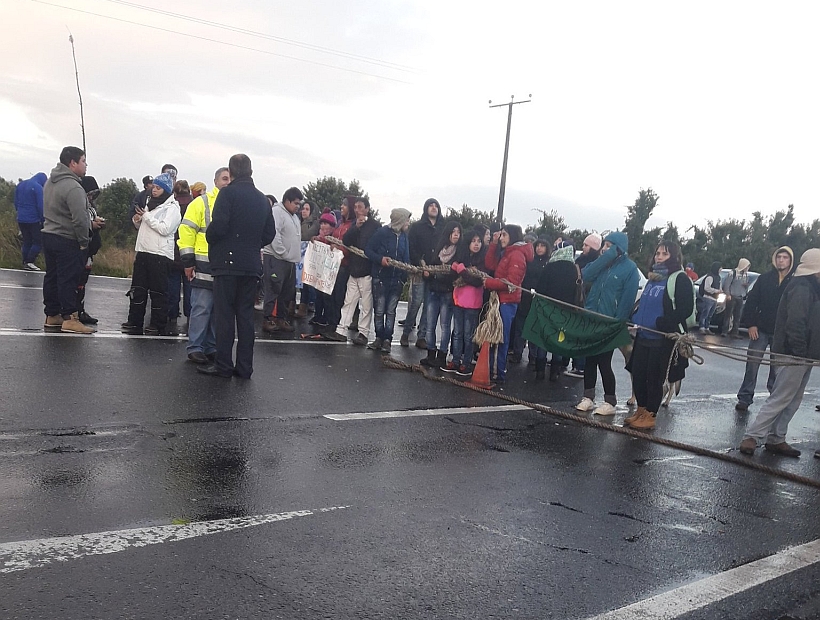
(193, 246)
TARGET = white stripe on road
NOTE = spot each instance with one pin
(36, 331)
(699, 594)
(409, 413)
(22, 555)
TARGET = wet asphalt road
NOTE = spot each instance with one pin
(487, 514)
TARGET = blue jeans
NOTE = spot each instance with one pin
(439, 309)
(757, 348)
(385, 301)
(465, 321)
(507, 315)
(418, 296)
(32, 240)
(706, 312)
(201, 325)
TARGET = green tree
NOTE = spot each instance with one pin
(637, 216)
(113, 204)
(550, 225)
(469, 217)
(328, 192)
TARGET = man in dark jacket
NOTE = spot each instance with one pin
(760, 312)
(242, 223)
(797, 333)
(28, 202)
(360, 283)
(422, 236)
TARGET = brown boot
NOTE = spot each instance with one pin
(301, 311)
(53, 324)
(72, 325)
(644, 423)
(628, 421)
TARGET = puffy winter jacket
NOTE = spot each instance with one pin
(614, 279)
(508, 264)
(157, 228)
(28, 199)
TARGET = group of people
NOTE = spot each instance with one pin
(227, 238)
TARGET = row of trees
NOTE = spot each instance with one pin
(725, 241)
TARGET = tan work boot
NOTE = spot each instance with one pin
(72, 325)
(640, 411)
(644, 423)
(53, 324)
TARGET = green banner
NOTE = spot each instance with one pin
(570, 331)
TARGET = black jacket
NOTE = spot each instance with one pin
(423, 236)
(797, 328)
(356, 237)
(242, 223)
(532, 277)
(761, 304)
(559, 281)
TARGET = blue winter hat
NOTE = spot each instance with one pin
(165, 181)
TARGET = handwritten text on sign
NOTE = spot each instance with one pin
(321, 266)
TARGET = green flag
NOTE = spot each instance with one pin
(570, 331)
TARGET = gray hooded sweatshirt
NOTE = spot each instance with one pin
(65, 206)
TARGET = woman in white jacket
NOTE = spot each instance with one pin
(157, 224)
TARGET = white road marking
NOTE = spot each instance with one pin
(693, 596)
(370, 415)
(37, 332)
(25, 554)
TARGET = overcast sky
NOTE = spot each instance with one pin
(712, 104)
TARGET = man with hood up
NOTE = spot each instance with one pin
(614, 279)
(423, 236)
(736, 285)
(65, 241)
(797, 333)
(760, 313)
(28, 202)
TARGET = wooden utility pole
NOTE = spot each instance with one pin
(77, 78)
(500, 214)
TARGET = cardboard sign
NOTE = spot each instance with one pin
(321, 266)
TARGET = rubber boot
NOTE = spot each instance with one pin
(430, 360)
(441, 359)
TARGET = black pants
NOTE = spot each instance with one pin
(233, 316)
(602, 362)
(150, 277)
(64, 266)
(649, 362)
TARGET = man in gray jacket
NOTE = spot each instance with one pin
(279, 259)
(66, 231)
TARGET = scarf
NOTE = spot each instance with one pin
(153, 203)
(446, 254)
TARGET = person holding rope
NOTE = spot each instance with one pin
(507, 257)
(667, 300)
(614, 279)
(796, 333)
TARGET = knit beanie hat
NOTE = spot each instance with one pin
(809, 263)
(165, 181)
(593, 241)
(328, 218)
(398, 218)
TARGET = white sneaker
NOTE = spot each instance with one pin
(31, 267)
(586, 404)
(605, 409)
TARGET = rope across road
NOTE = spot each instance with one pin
(391, 362)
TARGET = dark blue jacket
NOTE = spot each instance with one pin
(28, 199)
(242, 223)
(385, 242)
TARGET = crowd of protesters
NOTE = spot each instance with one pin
(209, 249)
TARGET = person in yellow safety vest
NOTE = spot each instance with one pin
(193, 250)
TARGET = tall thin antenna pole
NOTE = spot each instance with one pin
(79, 93)
(500, 215)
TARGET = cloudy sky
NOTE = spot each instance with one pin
(712, 104)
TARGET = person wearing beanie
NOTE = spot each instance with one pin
(324, 301)
(333, 310)
(389, 242)
(157, 224)
(614, 278)
(92, 191)
(736, 286)
(423, 236)
(196, 265)
(28, 203)
(760, 313)
(797, 333)
(65, 234)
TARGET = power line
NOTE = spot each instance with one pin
(270, 37)
(236, 45)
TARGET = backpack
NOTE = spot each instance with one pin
(671, 282)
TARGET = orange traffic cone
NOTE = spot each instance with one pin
(481, 374)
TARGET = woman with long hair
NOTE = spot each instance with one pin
(666, 302)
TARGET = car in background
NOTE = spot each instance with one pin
(717, 317)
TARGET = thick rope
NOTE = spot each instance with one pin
(684, 345)
(621, 430)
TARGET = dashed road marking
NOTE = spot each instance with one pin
(409, 413)
(26, 554)
(694, 596)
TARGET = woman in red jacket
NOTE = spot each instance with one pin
(507, 257)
